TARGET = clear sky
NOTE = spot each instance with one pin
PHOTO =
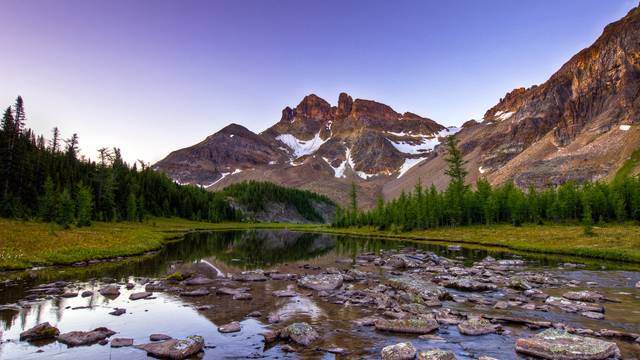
(151, 76)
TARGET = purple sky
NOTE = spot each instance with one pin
(153, 76)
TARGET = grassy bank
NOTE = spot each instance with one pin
(611, 242)
(25, 244)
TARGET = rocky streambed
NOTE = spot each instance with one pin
(275, 294)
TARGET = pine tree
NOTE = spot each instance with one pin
(48, 201)
(54, 143)
(587, 217)
(84, 206)
(20, 116)
(132, 207)
(455, 161)
(66, 210)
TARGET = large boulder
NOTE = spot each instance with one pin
(78, 338)
(301, 333)
(322, 282)
(40, 332)
(401, 351)
(555, 344)
(408, 326)
(173, 348)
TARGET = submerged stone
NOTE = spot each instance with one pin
(121, 342)
(195, 293)
(400, 351)
(230, 327)
(558, 344)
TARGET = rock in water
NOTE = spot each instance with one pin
(557, 344)
(230, 327)
(140, 295)
(401, 351)
(301, 333)
(78, 338)
(110, 291)
(436, 354)
(159, 337)
(586, 296)
(424, 289)
(476, 326)
(118, 312)
(322, 282)
(174, 349)
(195, 293)
(468, 284)
(121, 342)
(408, 326)
(250, 276)
(40, 332)
(199, 281)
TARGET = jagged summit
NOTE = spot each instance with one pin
(361, 140)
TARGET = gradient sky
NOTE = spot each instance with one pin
(153, 76)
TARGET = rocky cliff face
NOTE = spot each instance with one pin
(581, 124)
(314, 146)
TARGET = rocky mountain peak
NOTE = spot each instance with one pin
(345, 102)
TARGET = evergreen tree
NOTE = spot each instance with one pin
(84, 206)
(48, 202)
(132, 207)
(66, 210)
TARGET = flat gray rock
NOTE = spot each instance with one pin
(121, 342)
(400, 351)
(557, 344)
(140, 295)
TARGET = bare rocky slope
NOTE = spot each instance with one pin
(581, 124)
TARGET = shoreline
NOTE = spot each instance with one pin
(104, 242)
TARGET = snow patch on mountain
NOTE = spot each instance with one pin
(426, 144)
(408, 164)
(301, 147)
(339, 170)
(504, 115)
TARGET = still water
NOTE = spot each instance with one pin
(217, 255)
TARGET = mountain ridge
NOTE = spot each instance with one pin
(580, 125)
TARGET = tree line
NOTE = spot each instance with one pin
(459, 204)
(49, 180)
(256, 195)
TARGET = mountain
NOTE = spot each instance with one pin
(581, 125)
(315, 146)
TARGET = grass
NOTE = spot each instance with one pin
(629, 165)
(615, 242)
(25, 244)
